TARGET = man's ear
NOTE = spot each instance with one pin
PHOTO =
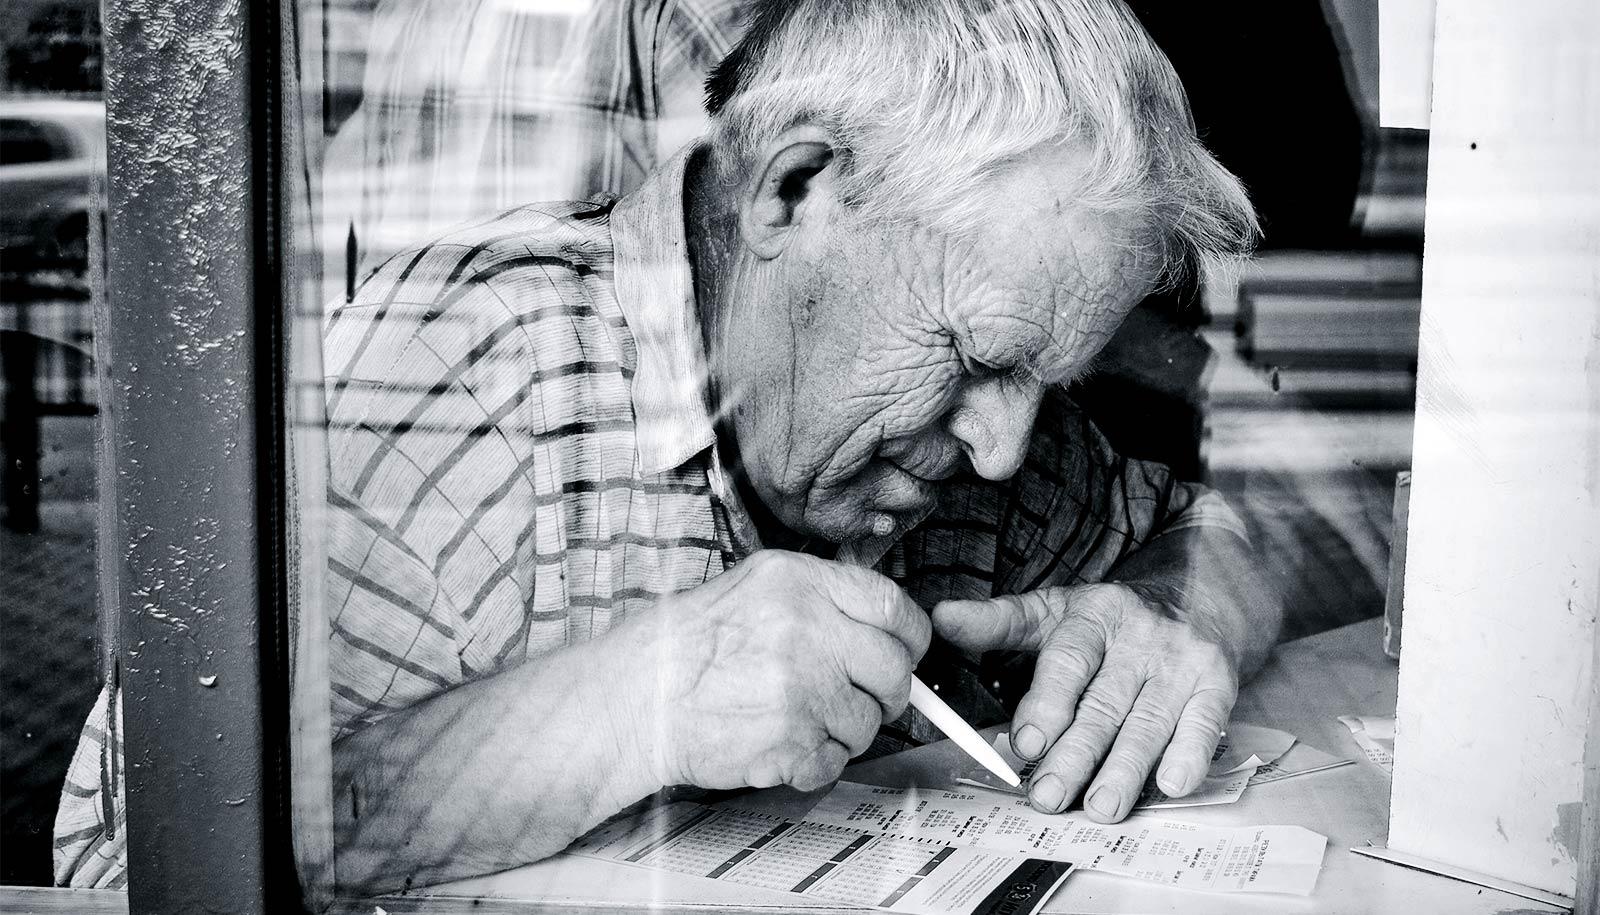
(790, 181)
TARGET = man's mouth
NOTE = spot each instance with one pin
(927, 473)
(905, 495)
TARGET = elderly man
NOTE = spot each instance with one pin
(661, 491)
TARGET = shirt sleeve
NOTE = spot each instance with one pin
(430, 510)
(90, 843)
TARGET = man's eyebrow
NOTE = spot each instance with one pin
(1032, 365)
(1030, 362)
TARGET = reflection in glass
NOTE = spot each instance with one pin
(52, 138)
(1287, 387)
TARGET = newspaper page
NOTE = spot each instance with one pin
(1249, 859)
(828, 862)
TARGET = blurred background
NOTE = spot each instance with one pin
(1290, 386)
(52, 138)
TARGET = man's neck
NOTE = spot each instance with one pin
(711, 227)
(773, 532)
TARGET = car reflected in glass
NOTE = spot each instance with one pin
(50, 150)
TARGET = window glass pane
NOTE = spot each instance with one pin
(51, 182)
(22, 142)
(518, 450)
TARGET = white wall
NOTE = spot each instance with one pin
(1501, 581)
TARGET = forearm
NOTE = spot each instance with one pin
(1210, 577)
(497, 773)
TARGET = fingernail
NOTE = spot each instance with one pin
(1174, 779)
(1028, 741)
(1047, 793)
(1106, 801)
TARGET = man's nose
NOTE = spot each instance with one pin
(994, 421)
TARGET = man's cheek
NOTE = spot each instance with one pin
(912, 396)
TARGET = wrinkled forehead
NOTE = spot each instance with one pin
(1058, 279)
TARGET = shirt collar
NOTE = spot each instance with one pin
(655, 290)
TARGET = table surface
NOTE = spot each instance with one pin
(1306, 686)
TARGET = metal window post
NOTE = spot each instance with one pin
(194, 384)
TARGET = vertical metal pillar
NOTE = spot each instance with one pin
(195, 385)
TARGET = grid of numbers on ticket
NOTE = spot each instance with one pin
(710, 843)
(834, 862)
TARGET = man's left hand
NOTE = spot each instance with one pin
(1119, 684)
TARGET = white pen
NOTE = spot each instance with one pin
(945, 719)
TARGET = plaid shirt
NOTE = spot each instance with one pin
(472, 106)
(522, 456)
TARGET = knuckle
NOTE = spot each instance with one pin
(1211, 707)
(1221, 695)
(861, 725)
(802, 717)
(1046, 711)
(787, 761)
(804, 776)
(1104, 601)
(785, 682)
(1071, 760)
(1148, 727)
(1196, 746)
(1122, 770)
(765, 561)
(782, 628)
(1053, 598)
(820, 767)
(1097, 711)
(780, 564)
(1060, 665)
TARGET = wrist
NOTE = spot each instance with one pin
(606, 693)
(1216, 621)
(635, 713)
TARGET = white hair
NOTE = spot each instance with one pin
(926, 98)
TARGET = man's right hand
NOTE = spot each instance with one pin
(777, 672)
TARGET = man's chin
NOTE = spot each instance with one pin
(858, 520)
(838, 528)
(873, 524)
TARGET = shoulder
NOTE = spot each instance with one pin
(547, 238)
(484, 278)
(505, 328)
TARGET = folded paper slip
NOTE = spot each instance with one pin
(1375, 737)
